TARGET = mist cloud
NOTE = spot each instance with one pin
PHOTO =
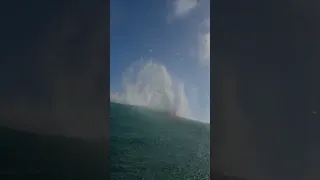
(148, 83)
(182, 7)
(204, 43)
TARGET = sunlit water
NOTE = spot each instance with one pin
(149, 145)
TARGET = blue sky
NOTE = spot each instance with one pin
(171, 35)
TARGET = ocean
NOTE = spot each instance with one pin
(150, 145)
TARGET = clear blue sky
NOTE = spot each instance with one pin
(170, 33)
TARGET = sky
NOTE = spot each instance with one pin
(161, 46)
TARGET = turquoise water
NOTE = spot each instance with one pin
(149, 145)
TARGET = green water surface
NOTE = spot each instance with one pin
(149, 145)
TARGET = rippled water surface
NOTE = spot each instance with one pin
(149, 145)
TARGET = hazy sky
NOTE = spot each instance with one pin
(161, 45)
